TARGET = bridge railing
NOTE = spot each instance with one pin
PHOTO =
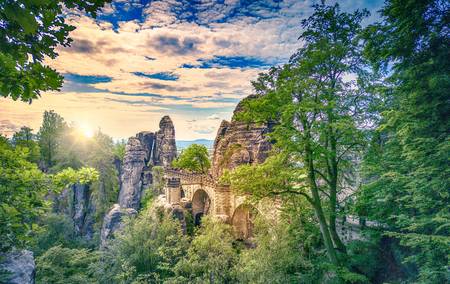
(191, 177)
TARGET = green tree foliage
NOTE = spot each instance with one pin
(156, 188)
(194, 158)
(101, 157)
(56, 229)
(407, 167)
(119, 149)
(319, 103)
(210, 257)
(158, 178)
(22, 190)
(69, 176)
(287, 250)
(25, 139)
(64, 149)
(31, 30)
(145, 251)
(52, 129)
(61, 265)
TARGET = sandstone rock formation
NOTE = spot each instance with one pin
(77, 203)
(113, 221)
(143, 151)
(239, 143)
(21, 266)
(134, 162)
(83, 210)
(165, 148)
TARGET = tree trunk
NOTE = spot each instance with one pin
(333, 181)
(331, 251)
(324, 229)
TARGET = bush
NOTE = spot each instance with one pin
(56, 230)
(211, 256)
(60, 265)
(145, 251)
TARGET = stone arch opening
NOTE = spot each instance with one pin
(183, 195)
(201, 204)
(242, 221)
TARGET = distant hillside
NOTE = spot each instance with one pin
(181, 144)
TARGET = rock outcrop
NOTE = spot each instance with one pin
(76, 202)
(134, 163)
(239, 143)
(165, 148)
(83, 210)
(142, 152)
(113, 221)
(20, 265)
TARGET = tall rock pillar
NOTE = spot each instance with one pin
(165, 150)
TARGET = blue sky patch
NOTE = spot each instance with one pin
(165, 76)
(83, 79)
(232, 62)
(199, 12)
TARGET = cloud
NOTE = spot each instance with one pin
(8, 128)
(174, 46)
(213, 117)
(82, 46)
(123, 70)
(170, 88)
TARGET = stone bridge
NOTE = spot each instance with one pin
(202, 195)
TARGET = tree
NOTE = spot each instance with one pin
(61, 265)
(145, 251)
(119, 149)
(407, 167)
(101, 157)
(52, 129)
(56, 229)
(210, 257)
(194, 158)
(25, 138)
(319, 103)
(287, 250)
(158, 179)
(25, 134)
(31, 30)
(22, 190)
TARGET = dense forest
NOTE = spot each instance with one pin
(360, 119)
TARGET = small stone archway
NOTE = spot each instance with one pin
(201, 205)
(242, 221)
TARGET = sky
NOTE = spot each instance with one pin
(191, 60)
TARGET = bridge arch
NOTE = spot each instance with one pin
(242, 221)
(201, 205)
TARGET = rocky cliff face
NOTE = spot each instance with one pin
(83, 210)
(20, 265)
(142, 152)
(239, 143)
(113, 221)
(76, 202)
(134, 163)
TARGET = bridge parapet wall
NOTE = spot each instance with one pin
(192, 178)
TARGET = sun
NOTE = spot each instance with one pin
(87, 131)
